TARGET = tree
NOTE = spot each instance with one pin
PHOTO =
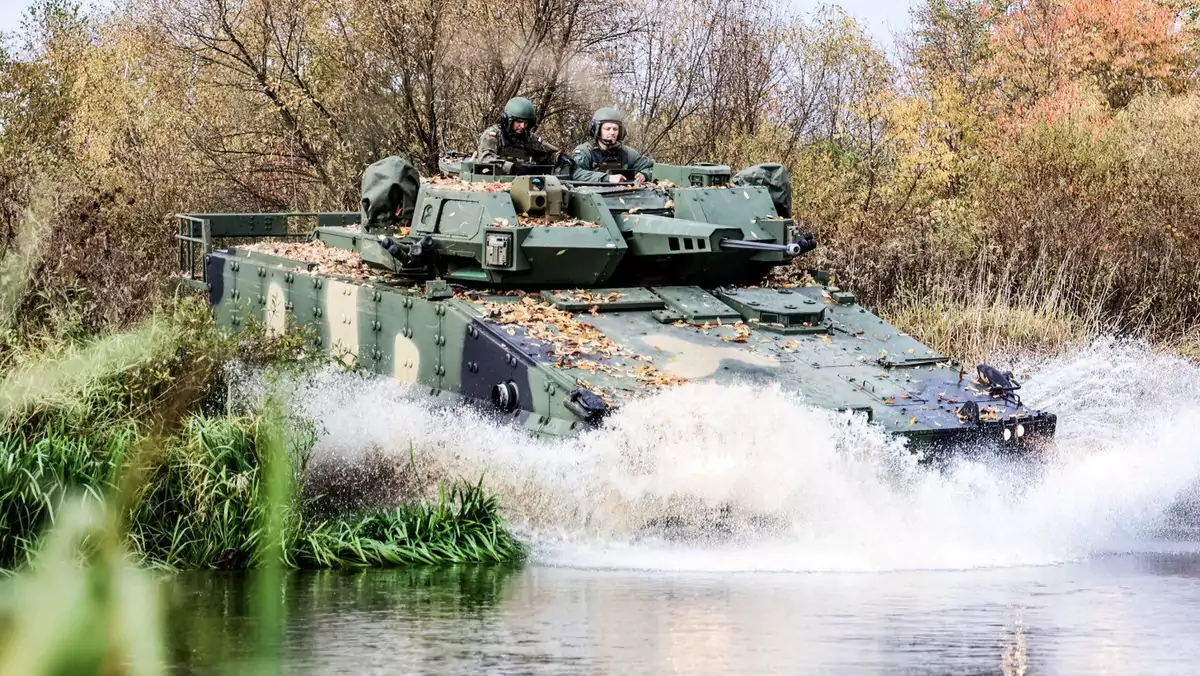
(1121, 47)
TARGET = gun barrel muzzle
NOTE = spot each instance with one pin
(791, 249)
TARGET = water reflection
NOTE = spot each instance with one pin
(1130, 613)
(214, 622)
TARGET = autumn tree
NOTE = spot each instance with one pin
(740, 81)
(944, 112)
(1121, 47)
(441, 71)
(38, 76)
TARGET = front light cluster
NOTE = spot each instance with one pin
(1018, 431)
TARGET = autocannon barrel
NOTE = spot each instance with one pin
(792, 249)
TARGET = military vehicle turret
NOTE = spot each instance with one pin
(554, 303)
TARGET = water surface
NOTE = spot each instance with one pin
(1132, 613)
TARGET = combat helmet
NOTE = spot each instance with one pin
(518, 108)
(606, 115)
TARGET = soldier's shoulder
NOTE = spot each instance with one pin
(492, 131)
(584, 147)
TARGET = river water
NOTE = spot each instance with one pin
(809, 543)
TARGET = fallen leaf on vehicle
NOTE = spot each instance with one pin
(576, 344)
(329, 260)
(564, 223)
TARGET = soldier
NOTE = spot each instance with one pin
(606, 150)
(512, 141)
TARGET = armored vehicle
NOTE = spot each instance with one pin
(554, 303)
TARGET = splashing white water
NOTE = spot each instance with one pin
(788, 487)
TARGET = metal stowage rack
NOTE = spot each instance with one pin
(198, 231)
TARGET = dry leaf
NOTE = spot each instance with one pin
(330, 260)
(564, 223)
(575, 344)
(454, 183)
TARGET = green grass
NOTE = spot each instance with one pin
(201, 498)
(222, 494)
(463, 526)
(135, 421)
(37, 474)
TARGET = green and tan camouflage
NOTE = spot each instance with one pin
(553, 304)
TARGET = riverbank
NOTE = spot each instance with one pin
(138, 423)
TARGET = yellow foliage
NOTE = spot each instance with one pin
(1058, 135)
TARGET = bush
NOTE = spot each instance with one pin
(135, 422)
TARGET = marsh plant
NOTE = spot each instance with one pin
(121, 455)
(124, 425)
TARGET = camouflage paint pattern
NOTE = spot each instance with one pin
(852, 360)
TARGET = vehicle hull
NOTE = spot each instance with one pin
(559, 361)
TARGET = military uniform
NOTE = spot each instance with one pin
(591, 155)
(613, 154)
(495, 145)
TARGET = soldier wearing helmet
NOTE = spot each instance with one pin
(513, 141)
(606, 149)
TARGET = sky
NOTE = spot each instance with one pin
(882, 17)
(10, 14)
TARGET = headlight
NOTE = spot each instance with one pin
(1020, 430)
(1007, 434)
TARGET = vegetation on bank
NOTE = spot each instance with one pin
(136, 423)
(120, 455)
(200, 501)
(1008, 151)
